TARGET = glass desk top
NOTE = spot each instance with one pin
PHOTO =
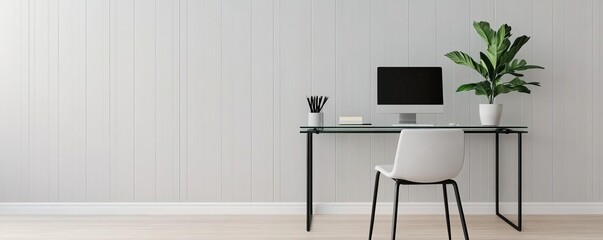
(394, 129)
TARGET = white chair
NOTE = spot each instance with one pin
(425, 156)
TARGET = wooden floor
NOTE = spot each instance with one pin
(289, 227)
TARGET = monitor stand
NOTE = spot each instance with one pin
(407, 118)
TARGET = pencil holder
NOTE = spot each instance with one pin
(315, 119)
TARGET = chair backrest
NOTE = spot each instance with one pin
(429, 155)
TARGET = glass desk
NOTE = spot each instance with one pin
(478, 129)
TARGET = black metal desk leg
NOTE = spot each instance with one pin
(519, 173)
(519, 180)
(497, 157)
(309, 183)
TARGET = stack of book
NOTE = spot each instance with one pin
(350, 121)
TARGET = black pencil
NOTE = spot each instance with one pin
(316, 103)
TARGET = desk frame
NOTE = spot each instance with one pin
(309, 131)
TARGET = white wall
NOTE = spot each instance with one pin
(172, 100)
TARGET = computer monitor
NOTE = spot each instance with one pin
(409, 90)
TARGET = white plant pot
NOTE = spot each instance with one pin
(489, 114)
(315, 119)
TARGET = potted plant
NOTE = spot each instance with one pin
(498, 62)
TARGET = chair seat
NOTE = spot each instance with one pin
(385, 170)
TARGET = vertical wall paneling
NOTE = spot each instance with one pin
(422, 52)
(295, 30)
(38, 99)
(262, 97)
(72, 101)
(597, 99)
(236, 100)
(176, 113)
(559, 133)
(24, 88)
(323, 83)
(276, 106)
(183, 98)
(165, 101)
(178, 100)
(97, 101)
(122, 100)
(53, 100)
(578, 79)
(353, 97)
(10, 101)
(542, 129)
(203, 101)
(145, 90)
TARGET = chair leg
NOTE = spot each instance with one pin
(447, 212)
(395, 214)
(460, 205)
(374, 205)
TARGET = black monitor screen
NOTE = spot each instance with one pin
(409, 86)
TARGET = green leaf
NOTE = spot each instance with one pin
(517, 82)
(484, 31)
(514, 65)
(464, 59)
(517, 44)
(500, 69)
(483, 88)
(499, 44)
(501, 89)
(515, 74)
(503, 32)
(488, 65)
(496, 50)
(467, 87)
(526, 67)
(518, 85)
(522, 89)
(517, 65)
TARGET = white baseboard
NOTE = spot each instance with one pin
(92, 208)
